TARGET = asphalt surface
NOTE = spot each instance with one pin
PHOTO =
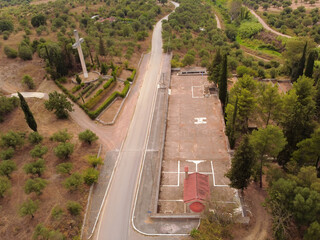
(116, 214)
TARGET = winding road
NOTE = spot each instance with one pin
(265, 25)
(116, 214)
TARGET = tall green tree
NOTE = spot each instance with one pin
(241, 106)
(215, 67)
(297, 121)
(223, 82)
(269, 103)
(27, 113)
(310, 63)
(297, 71)
(102, 50)
(267, 142)
(241, 165)
(59, 103)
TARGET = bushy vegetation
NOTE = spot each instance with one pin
(7, 105)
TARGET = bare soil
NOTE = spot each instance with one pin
(125, 74)
(12, 225)
(111, 112)
(293, 6)
(260, 227)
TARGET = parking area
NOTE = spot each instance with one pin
(194, 138)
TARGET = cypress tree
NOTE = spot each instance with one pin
(310, 64)
(102, 50)
(223, 82)
(241, 165)
(27, 113)
(215, 67)
(298, 71)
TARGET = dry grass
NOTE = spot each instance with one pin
(12, 225)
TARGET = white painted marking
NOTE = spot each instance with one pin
(196, 162)
(201, 120)
(169, 91)
(178, 173)
(193, 91)
(213, 178)
(209, 173)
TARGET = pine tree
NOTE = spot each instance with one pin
(310, 64)
(223, 82)
(298, 70)
(241, 165)
(27, 113)
(215, 67)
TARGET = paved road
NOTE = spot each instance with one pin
(115, 218)
(263, 23)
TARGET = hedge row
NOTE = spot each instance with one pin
(109, 100)
(84, 91)
(107, 84)
(77, 87)
(71, 96)
(95, 87)
(99, 94)
(130, 79)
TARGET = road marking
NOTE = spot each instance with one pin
(201, 120)
(213, 178)
(177, 200)
(193, 91)
(196, 162)
(177, 185)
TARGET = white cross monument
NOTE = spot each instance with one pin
(78, 46)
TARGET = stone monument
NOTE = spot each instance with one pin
(78, 46)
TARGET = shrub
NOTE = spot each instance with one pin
(95, 87)
(35, 138)
(38, 20)
(64, 150)
(104, 69)
(25, 52)
(11, 139)
(61, 136)
(64, 168)
(29, 207)
(10, 52)
(56, 212)
(36, 167)
(91, 176)
(27, 80)
(38, 151)
(248, 29)
(59, 103)
(35, 185)
(99, 94)
(4, 185)
(7, 154)
(7, 167)
(6, 25)
(188, 60)
(7, 105)
(94, 161)
(74, 208)
(73, 182)
(88, 136)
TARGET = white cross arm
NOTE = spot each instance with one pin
(76, 45)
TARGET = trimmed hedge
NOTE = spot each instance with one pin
(110, 99)
(77, 87)
(86, 89)
(71, 96)
(95, 87)
(97, 97)
(130, 79)
(107, 84)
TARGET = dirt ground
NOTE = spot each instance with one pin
(108, 115)
(12, 226)
(195, 138)
(260, 226)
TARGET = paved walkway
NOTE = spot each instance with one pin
(31, 95)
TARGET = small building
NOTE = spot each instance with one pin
(195, 191)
